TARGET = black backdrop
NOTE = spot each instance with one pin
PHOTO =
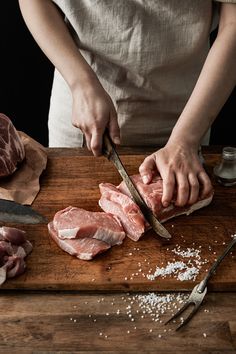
(26, 79)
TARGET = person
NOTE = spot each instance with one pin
(144, 71)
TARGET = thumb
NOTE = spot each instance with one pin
(113, 127)
(146, 169)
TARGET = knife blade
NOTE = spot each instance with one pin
(11, 211)
(110, 152)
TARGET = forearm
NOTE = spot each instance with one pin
(215, 83)
(50, 32)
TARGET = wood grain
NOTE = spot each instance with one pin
(79, 323)
(72, 178)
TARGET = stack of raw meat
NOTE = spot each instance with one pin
(85, 234)
(13, 249)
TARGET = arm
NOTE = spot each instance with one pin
(93, 109)
(178, 162)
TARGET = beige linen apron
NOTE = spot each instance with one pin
(147, 55)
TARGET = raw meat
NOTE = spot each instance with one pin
(11, 147)
(84, 233)
(112, 201)
(13, 249)
(83, 248)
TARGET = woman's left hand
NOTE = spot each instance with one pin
(184, 178)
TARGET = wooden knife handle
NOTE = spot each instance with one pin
(108, 146)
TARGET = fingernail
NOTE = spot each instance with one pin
(145, 179)
(116, 140)
(165, 204)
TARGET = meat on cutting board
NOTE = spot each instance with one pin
(83, 248)
(14, 247)
(112, 201)
(11, 147)
(84, 233)
(119, 204)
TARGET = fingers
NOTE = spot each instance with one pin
(168, 188)
(182, 190)
(88, 140)
(97, 135)
(194, 188)
(206, 186)
(185, 185)
(146, 169)
(96, 142)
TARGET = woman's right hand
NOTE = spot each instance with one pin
(93, 111)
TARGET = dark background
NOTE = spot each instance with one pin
(26, 79)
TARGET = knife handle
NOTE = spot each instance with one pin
(108, 145)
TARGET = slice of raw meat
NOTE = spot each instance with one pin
(114, 202)
(85, 234)
(13, 249)
(73, 222)
(11, 147)
(83, 248)
(152, 194)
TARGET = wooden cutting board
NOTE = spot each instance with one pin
(72, 178)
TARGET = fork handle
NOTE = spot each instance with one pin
(203, 283)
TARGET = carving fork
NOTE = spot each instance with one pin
(199, 291)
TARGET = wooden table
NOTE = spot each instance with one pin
(48, 321)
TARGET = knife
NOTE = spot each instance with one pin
(110, 152)
(11, 211)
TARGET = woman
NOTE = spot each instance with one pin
(142, 69)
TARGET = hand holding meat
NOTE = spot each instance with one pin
(182, 172)
(93, 111)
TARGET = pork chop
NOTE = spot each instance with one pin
(84, 233)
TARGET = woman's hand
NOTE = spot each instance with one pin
(93, 111)
(182, 173)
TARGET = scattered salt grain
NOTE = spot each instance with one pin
(180, 270)
(204, 335)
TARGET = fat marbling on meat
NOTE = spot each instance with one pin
(11, 147)
(14, 247)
